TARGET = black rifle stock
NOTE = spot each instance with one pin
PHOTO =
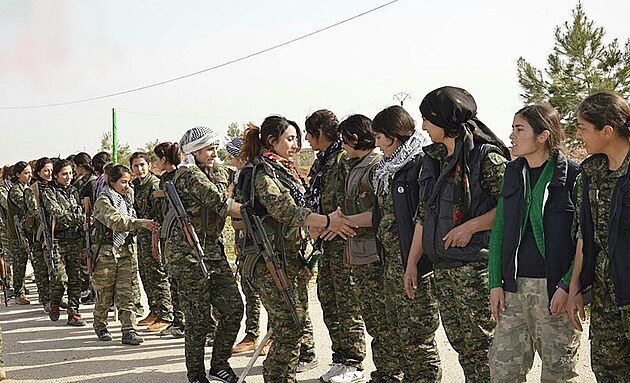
(3, 277)
(184, 220)
(255, 230)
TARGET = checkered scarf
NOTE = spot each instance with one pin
(123, 204)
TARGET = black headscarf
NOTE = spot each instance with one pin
(455, 110)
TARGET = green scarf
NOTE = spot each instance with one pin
(533, 209)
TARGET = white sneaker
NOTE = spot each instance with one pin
(335, 369)
(348, 375)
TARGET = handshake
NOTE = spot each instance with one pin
(334, 224)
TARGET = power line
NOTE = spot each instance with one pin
(242, 58)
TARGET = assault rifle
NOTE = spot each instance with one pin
(184, 220)
(48, 239)
(19, 230)
(260, 244)
(87, 218)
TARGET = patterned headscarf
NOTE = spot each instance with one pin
(194, 139)
(123, 204)
(455, 110)
(289, 173)
(389, 166)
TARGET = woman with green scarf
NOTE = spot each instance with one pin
(531, 254)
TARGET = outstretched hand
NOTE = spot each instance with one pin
(341, 225)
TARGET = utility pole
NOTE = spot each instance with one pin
(401, 97)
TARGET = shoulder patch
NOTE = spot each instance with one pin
(496, 158)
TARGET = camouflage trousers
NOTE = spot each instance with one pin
(609, 333)
(135, 287)
(199, 296)
(66, 254)
(252, 308)
(40, 270)
(411, 326)
(526, 327)
(154, 280)
(291, 343)
(112, 280)
(463, 296)
(178, 313)
(369, 288)
(8, 257)
(20, 258)
(341, 308)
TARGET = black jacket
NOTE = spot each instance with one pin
(405, 193)
(558, 214)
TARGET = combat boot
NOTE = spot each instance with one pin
(131, 337)
(21, 300)
(104, 335)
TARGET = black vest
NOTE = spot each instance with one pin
(618, 238)
(405, 193)
(438, 219)
(558, 214)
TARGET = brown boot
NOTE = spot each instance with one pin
(148, 320)
(265, 349)
(3, 375)
(21, 300)
(158, 325)
(249, 343)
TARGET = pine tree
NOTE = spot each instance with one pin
(580, 65)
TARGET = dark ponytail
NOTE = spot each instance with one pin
(170, 151)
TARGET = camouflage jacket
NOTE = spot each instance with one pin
(144, 202)
(32, 201)
(284, 217)
(200, 198)
(81, 183)
(109, 219)
(16, 206)
(5, 186)
(64, 205)
(334, 172)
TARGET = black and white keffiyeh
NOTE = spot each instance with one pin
(194, 139)
(123, 204)
(389, 166)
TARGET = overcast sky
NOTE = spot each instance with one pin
(59, 51)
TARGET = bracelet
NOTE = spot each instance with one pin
(563, 286)
(327, 221)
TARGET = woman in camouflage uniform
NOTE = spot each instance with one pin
(61, 203)
(602, 260)
(207, 206)
(278, 198)
(21, 178)
(5, 186)
(32, 200)
(411, 321)
(115, 256)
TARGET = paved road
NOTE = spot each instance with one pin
(38, 350)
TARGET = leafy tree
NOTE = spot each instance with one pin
(123, 149)
(148, 149)
(233, 131)
(581, 64)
